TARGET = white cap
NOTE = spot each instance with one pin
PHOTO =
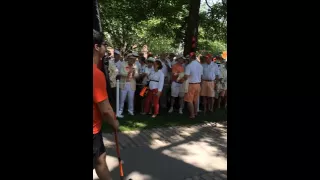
(116, 52)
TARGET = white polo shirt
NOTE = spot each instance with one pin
(195, 71)
(210, 71)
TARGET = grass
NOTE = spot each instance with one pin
(138, 122)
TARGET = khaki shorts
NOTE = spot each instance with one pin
(207, 89)
(193, 93)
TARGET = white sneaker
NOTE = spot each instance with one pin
(131, 113)
(170, 110)
(120, 116)
(180, 111)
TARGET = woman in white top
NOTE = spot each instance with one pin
(146, 69)
(156, 80)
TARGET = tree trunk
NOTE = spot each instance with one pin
(192, 27)
(96, 16)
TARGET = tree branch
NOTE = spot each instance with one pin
(208, 4)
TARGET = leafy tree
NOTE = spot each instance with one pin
(214, 22)
(161, 24)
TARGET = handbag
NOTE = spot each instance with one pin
(144, 91)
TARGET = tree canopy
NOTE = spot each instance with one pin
(161, 24)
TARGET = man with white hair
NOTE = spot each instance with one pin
(128, 74)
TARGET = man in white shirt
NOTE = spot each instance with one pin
(193, 73)
(210, 74)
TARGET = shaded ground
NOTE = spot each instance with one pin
(189, 152)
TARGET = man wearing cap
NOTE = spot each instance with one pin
(210, 74)
(193, 73)
(176, 84)
(128, 75)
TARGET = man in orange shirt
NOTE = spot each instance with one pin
(176, 84)
(102, 109)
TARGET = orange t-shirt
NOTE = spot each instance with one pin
(177, 68)
(99, 94)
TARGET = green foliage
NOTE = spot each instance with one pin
(159, 24)
(214, 22)
(213, 47)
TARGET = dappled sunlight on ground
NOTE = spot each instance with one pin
(169, 153)
(135, 175)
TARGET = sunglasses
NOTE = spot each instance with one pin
(104, 43)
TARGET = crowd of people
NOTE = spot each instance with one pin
(151, 82)
(171, 79)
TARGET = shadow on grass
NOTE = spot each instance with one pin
(164, 119)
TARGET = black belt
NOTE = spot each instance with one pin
(194, 83)
(177, 82)
(207, 80)
(154, 80)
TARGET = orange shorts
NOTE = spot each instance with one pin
(207, 89)
(193, 93)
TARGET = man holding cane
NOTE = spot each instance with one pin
(102, 109)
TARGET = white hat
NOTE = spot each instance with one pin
(116, 52)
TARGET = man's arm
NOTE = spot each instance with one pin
(187, 73)
(107, 113)
(100, 97)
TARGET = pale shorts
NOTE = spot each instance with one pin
(175, 89)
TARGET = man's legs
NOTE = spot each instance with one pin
(205, 103)
(191, 109)
(102, 168)
(181, 103)
(196, 98)
(123, 97)
(189, 98)
(211, 102)
(130, 101)
(163, 98)
(99, 158)
(175, 88)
